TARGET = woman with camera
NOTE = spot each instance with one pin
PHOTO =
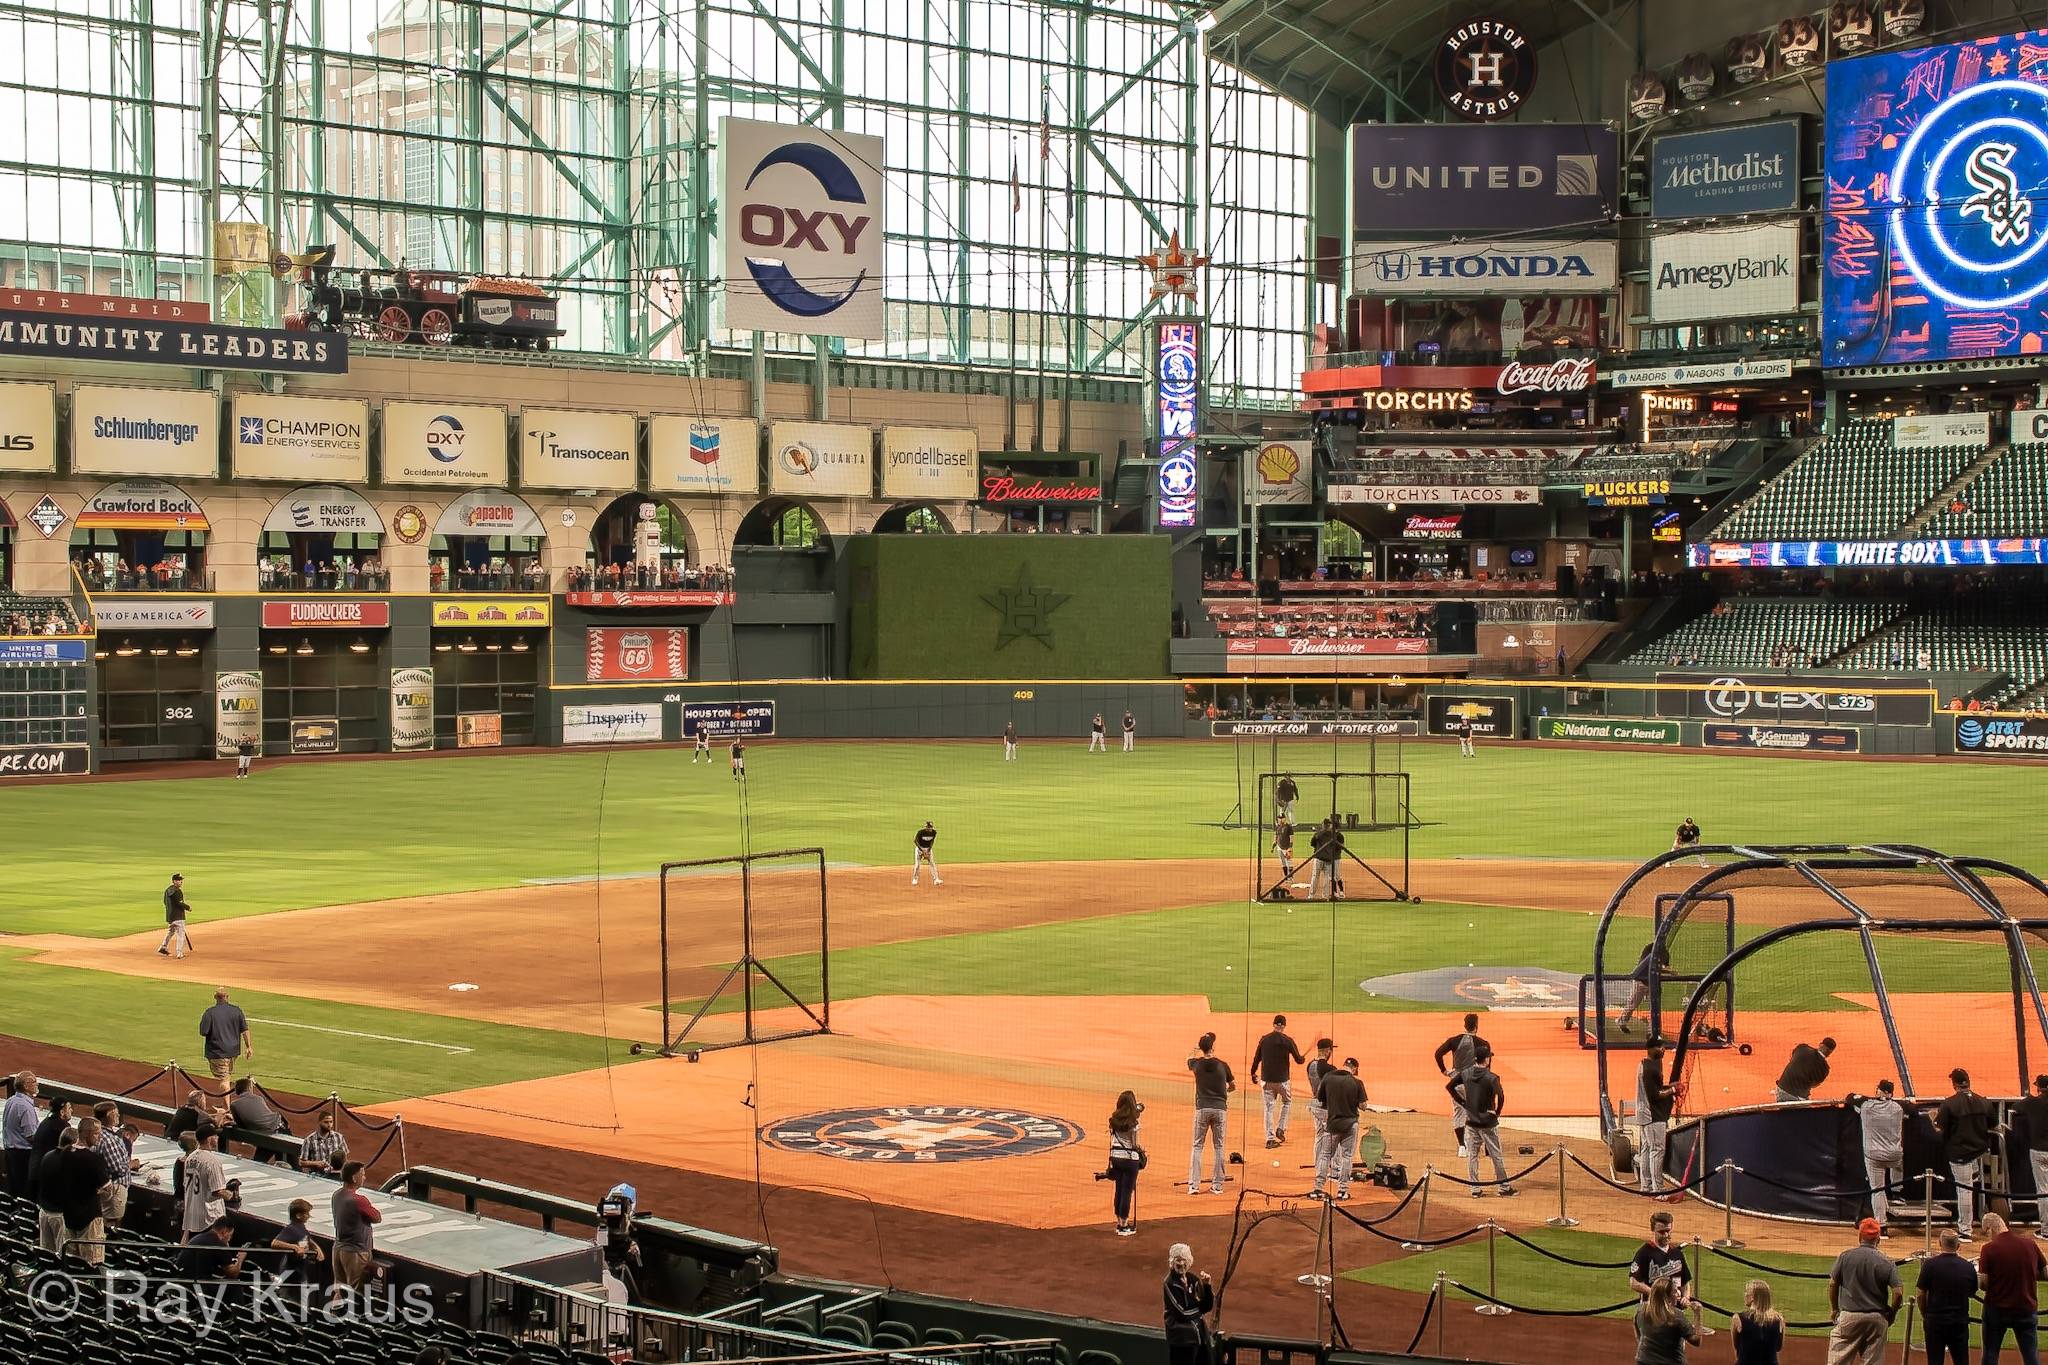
(1189, 1301)
(1126, 1159)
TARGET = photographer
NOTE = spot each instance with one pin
(1126, 1159)
(621, 1251)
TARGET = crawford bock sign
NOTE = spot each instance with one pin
(801, 222)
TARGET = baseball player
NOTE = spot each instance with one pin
(924, 839)
(245, 757)
(1010, 742)
(1686, 839)
(1283, 845)
(703, 750)
(1130, 731)
(1095, 739)
(739, 760)
(1462, 727)
(175, 909)
(1285, 793)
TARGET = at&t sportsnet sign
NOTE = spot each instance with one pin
(2021, 737)
(1179, 352)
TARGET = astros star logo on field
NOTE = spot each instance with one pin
(917, 1133)
(1024, 610)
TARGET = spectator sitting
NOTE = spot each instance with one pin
(324, 1151)
(210, 1254)
(252, 1114)
(190, 1116)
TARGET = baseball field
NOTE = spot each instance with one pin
(473, 942)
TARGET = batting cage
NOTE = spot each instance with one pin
(744, 955)
(1787, 982)
(1355, 825)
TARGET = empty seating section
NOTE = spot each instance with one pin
(1853, 486)
(1769, 632)
(1968, 638)
(2009, 497)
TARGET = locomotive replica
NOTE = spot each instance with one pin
(423, 307)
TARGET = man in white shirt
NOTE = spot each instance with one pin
(206, 1185)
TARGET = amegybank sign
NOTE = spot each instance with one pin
(1746, 271)
(929, 462)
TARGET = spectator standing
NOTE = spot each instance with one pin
(1660, 1259)
(324, 1150)
(1964, 1122)
(2008, 1269)
(1273, 1072)
(2034, 1108)
(1662, 1329)
(1480, 1094)
(1189, 1301)
(205, 1183)
(1654, 1096)
(1342, 1095)
(49, 1196)
(1884, 1148)
(114, 1149)
(18, 1123)
(55, 1124)
(1213, 1084)
(81, 1175)
(1864, 1293)
(175, 909)
(1126, 1159)
(355, 1243)
(1805, 1070)
(225, 1030)
(1947, 1285)
(1759, 1328)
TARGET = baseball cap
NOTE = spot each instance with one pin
(1869, 1228)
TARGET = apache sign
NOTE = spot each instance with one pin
(1797, 697)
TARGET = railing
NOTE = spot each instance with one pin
(530, 1311)
(142, 580)
(442, 579)
(646, 580)
(323, 580)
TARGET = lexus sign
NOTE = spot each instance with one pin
(1796, 697)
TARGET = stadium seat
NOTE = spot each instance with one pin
(846, 1327)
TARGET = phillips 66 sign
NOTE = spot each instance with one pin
(801, 223)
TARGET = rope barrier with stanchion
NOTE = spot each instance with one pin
(1727, 1241)
(1416, 1243)
(1443, 1312)
(1493, 1307)
(1563, 1219)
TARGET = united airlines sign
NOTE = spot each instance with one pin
(1510, 267)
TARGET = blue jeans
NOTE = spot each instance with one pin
(1997, 1322)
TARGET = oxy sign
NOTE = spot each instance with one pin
(802, 229)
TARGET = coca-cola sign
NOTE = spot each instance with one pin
(1571, 375)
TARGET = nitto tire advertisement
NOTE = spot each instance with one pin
(1490, 717)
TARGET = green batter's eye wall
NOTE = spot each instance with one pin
(1009, 606)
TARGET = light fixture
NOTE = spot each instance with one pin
(159, 651)
(186, 649)
(442, 646)
(305, 645)
(1390, 507)
(359, 647)
(468, 645)
(519, 645)
(277, 649)
(99, 654)
(126, 651)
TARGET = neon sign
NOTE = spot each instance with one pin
(1179, 355)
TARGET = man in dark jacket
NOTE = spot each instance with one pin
(1804, 1071)
(81, 1175)
(175, 910)
(1964, 1122)
(1273, 1071)
(1342, 1096)
(1479, 1092)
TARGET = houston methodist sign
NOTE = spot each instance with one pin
(802, 229)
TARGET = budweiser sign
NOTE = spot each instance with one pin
(1000, 488)
(326, 615)
(1554, 376)
(1327, 649)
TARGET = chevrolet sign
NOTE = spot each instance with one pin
(1501, 267)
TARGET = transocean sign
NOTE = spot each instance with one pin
(1519, 266)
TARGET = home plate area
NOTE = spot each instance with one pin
(1483, 988)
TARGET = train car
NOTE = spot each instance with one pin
(424, 307)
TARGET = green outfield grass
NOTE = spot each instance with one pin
(306, 1046)
(91, 858)
(1526, 1278)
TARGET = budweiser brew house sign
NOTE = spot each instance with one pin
(1547, 377)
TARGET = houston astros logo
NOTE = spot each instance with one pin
(1960, 201)
(1025, 610)
(917, 1133)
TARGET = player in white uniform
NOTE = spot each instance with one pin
(1095, 738)
(1010, 742)
(923, 841)
(1130, 731)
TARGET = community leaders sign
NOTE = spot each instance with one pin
(310, 439)
(145, 431)
(929, 463)
(202, 345)
(570, 448)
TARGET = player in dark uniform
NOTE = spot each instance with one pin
(1283, 844)
(1130, 731)
(245, 757)
(923, 840)
(1687, 839)
(1009, 741)
(739, 760)
(1461, 726)
(1095, 739)
(1285, 794)
(703, 749)
(1639, 978)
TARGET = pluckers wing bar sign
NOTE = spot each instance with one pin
(155, 341)
(1626, 492)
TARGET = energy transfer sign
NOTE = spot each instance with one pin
(802, 230)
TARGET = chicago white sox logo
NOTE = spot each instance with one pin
(1998, 200)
